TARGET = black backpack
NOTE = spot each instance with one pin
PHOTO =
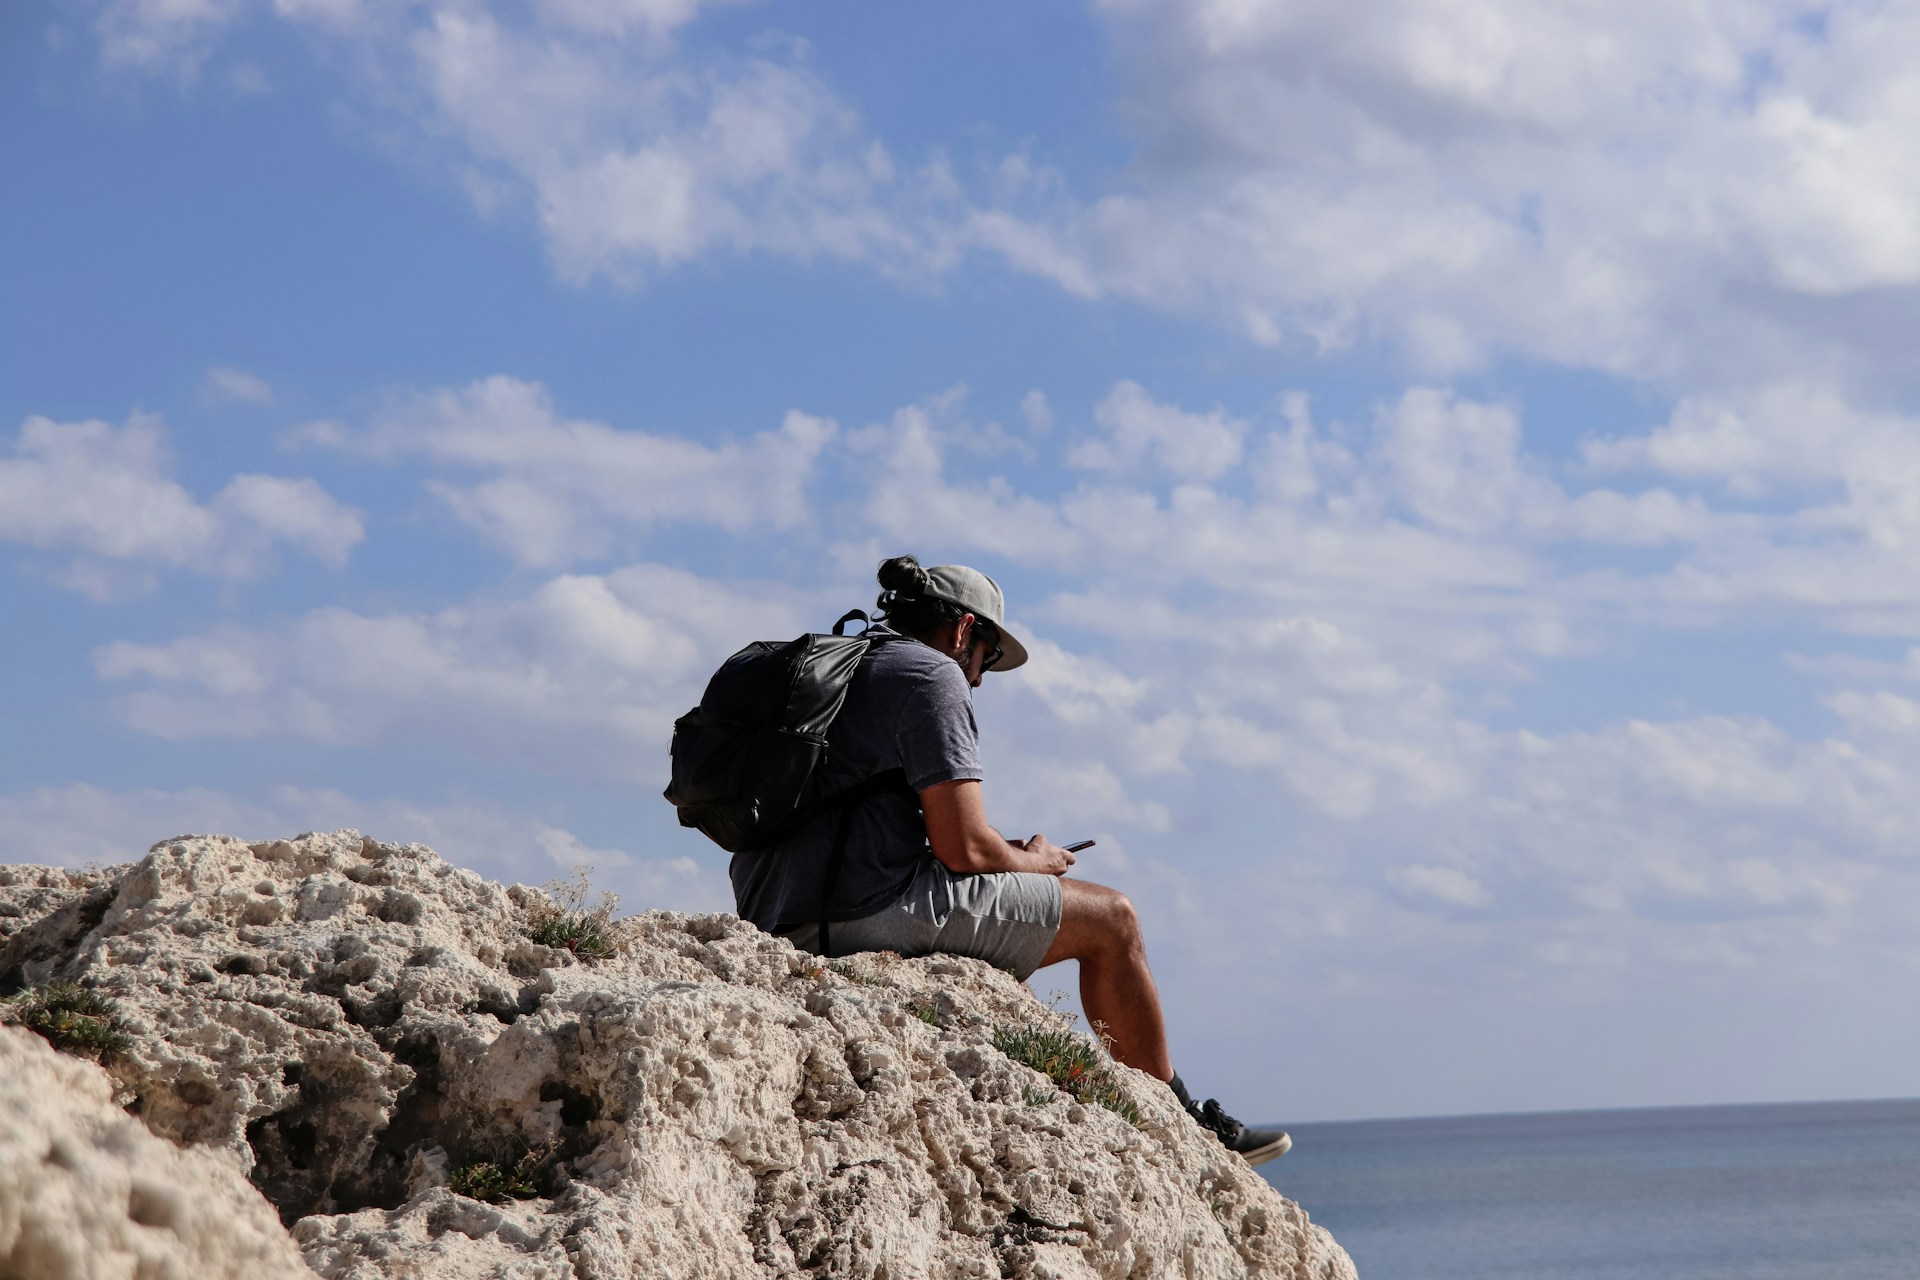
(746, 761)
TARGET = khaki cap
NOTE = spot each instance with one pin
(980, 596)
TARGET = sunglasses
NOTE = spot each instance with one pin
(985, 634)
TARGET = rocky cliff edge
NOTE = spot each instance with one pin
(354, 1058)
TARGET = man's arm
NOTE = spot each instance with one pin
(957, 828)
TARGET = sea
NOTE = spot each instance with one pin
(1811, 1191)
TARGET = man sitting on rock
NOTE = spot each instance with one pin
(933, 876)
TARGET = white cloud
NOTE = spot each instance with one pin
(1457, 464)
(298, 512)
(1679, 195)
(584, 675)
(1037, 411)
(618, 17)
(1817, 508)
(1791, 495)
(631, 154)
(563, 489)
(1583, 184)
(157, 32)
(1878, 711)
(225, 385)
(1375, 849)
(1188, 446)
(1073, 801)
(1856, 468)
(1447, 885)
(910, 497)
(1225, 536)
(100, 488)
(1649, 518)
(1076, 688)
(154, 33)
(1327, 620)
(101, 493)
(1289, 685)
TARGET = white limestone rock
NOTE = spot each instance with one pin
(352, 1022)
(86, 1191)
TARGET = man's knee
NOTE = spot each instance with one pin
(1108, 913)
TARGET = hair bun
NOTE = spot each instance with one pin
(904, 575)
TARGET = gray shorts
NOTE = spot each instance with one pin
(1007, 918)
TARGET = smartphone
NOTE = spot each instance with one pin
(1084, 844)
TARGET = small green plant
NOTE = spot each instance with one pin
(1037, 1097)
(573, 920)
(1071, 1062)
(74, 1020)
(493, 1183)
(927, 1011)
(848, 972)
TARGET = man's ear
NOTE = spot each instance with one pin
(960, 636)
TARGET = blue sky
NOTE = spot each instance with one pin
(1455, 470)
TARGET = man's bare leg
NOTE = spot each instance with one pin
(1098, 928)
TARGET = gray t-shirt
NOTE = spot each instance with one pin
(909, 707)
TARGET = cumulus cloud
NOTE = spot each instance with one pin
(101, 494)
(631, 154)
(910, 495)
(151, 33)
(633, 164)
(1677, 195)
(1077, 688)
(1326, 620)
(1286, 686)
(1443, 884)
(1324, 614)
(1814, 502)
(1139, 429)
(226, 385)
(585, 674)
(559, 489)
(158, 33)
(1037, 412)
(1458, 466)
(619, 17)
(1586, 184)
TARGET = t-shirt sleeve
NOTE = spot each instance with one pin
(938, 739)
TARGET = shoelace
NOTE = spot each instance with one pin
(1213, 1118)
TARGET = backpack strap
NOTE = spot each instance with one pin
(866, 623)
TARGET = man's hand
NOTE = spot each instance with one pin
(1049, 858)
(964, 843)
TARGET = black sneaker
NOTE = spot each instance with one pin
(1257, 1146)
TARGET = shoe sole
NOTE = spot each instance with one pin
(1272, 1151)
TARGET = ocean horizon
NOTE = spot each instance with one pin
(1724, 1192)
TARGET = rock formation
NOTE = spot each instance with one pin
(353, 1034)
(86, 1190)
